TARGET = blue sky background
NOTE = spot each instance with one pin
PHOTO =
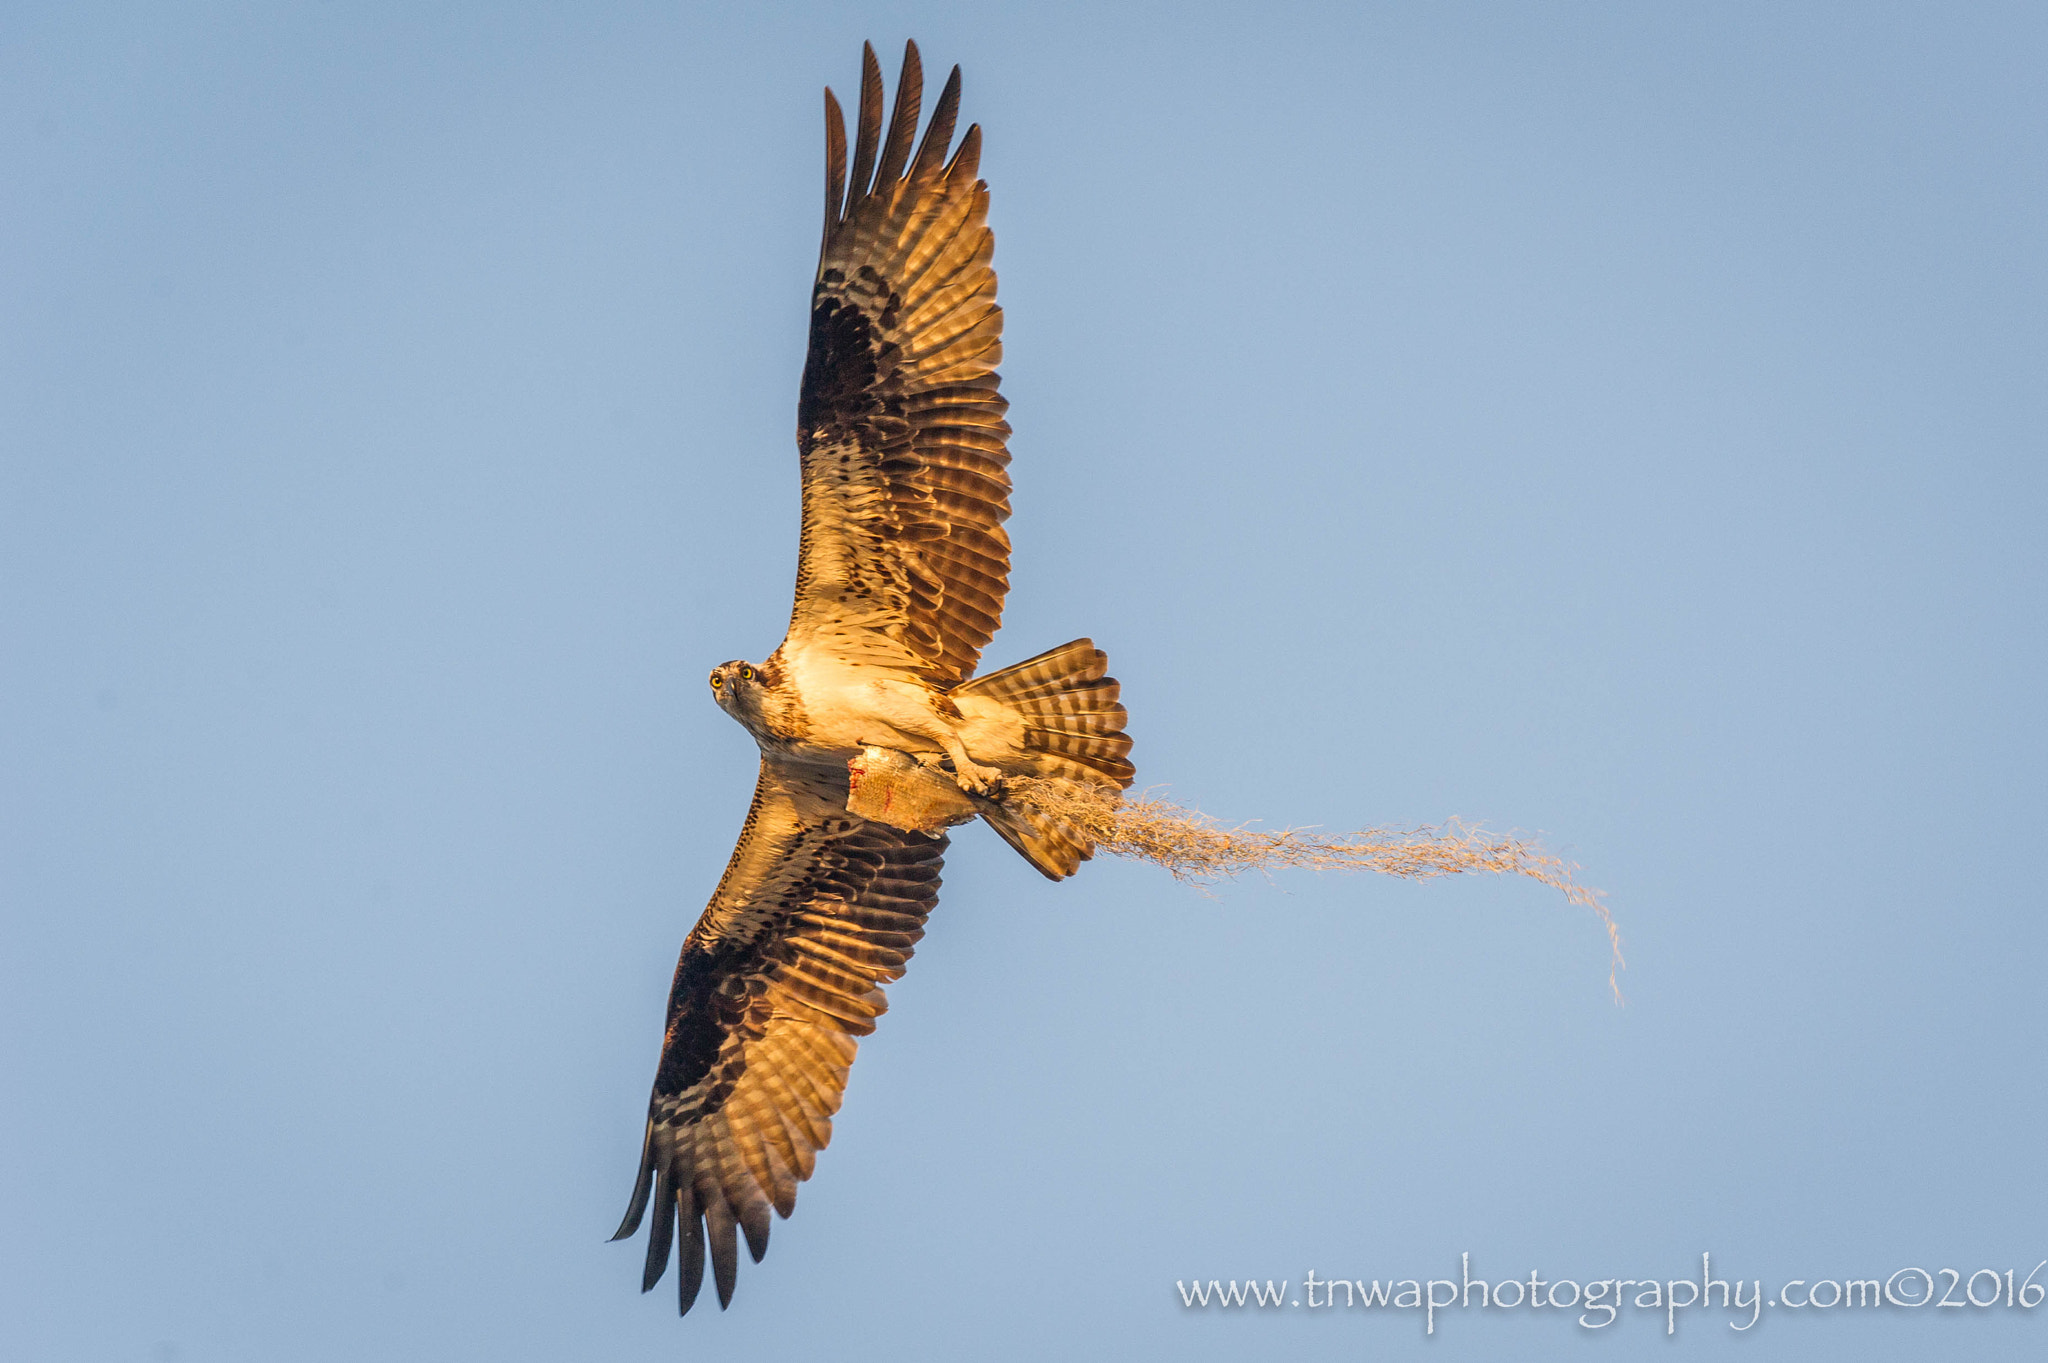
(1621, 422)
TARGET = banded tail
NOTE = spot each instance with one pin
(1073, 730)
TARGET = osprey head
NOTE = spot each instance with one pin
(742, 688)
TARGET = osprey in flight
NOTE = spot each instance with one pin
(875, 734)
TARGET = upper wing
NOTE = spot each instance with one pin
(904, 561)
(816, 909)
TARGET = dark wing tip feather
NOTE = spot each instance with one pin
(938, 136)
(690, 1279)
(754, 1225)
(868, 137)
(661, 1237)
(719, 1229)
(966, 161)
(636, 1206)
(835, 161)
(903, 121)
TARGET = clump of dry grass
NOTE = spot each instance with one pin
(1195, 847)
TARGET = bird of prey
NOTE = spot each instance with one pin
(875, 734)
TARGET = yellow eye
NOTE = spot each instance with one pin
(746, 674)
(717, 682)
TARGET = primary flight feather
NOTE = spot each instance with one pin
(874, 734)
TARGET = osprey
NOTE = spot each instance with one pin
(875, 734)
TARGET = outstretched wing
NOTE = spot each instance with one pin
(815, 911)
(904, 560)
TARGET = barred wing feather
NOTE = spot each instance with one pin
(904, 561)
(816, 910)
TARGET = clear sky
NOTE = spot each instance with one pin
(1619, 422)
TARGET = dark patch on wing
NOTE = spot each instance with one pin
(842, 393)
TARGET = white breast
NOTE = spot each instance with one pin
(850, 707)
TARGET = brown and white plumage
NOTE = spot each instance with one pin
(904, 560)
(815, 911)
(901, 575)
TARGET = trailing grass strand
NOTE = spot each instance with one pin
(1194, 847)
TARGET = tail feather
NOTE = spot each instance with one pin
(1054, 845)
(1070, 712)
(1073, 730)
